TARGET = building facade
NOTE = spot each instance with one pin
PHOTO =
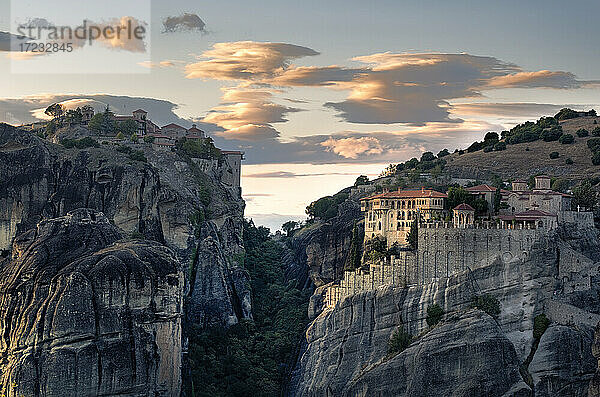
(391, 214)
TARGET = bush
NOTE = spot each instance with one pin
(566, 139)
(149, 139)
(488, 304)
(500, 146)
(526, 132)
(566, 114)
(399, 341)
(554, 155)
(552, 134)
(540, 325)
(137, 155)
(326, 207)
(443, 153)
(569, 161)
(434, 314)
(487, 149)
(427, 156)
(582, 132)
(82, 143)
(593, 144)
(596, 131)
(596, 158)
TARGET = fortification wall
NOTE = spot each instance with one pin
(580, 219)
(442, 252)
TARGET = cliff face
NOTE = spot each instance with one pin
(169, 199)
(322, 247)
(469, 353)
(192, 224)
(84, 313)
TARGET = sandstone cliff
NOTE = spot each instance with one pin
(85, 313)
(469, 353)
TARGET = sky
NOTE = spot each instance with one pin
(315, 93)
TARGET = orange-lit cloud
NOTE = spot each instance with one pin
(351, 148)
(539, 79)
(246, 60)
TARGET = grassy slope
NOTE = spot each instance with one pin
(515, 161)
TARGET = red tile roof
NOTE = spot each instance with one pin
(464, 207)
(422, 193)
(481, 188)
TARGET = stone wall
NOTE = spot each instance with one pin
(442, 252)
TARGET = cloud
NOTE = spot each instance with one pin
(353, 147)
(186, 22)
(287, 174)
(159, 65)
(509, 110)
(246, 61)
(385, 88)
(248, 114)
(539, 79)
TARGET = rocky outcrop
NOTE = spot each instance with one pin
(168, 199)
(322, 247)
(85, 313)
(469, 353)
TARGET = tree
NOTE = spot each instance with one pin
(56, 110)
(585, 196)
(108, 122)
(289, 227)
(427, 156)
(566, 139)
(491, 136)
(551, 134)
(95, 123)
(412, 163)
(488, 304)
(596, 131)
(565, 114)
(353, 260)
(375, 249)
(434, 314)
(361, 180)
(458, 195)
(443, 153)
(399, 341)
(414, 175)
(582, 132)
(413, 234)
(554, 155)
(134, 138)
(500, 146)
(51, 127)
(128, 127)
(74, 116)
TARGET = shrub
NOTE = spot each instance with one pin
(82, 143)
(566, 139)
(149, 139)
(596, 158)
(434, 314)
(554, 155)
(427, 156)
(569, 161)
(120, 136)
(596, 131)
(488, 304)
(137, 155)
(488, 149)
(443, 153)
(540, 325)
(500, 146)
(552, 134)
(399, 341)
(566, 114)
(593, 144)
(526, 132)
(582, 132)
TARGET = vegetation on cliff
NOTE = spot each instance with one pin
(253, 357)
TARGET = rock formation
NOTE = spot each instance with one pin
(469, 352)
(85, 313)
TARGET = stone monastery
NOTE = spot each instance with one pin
(450, 242)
